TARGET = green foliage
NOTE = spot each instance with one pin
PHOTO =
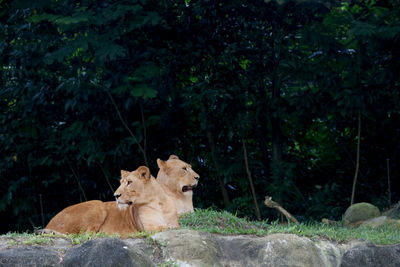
(89, 89)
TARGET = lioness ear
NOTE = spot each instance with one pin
(161, 164)
(144, 172)
(124, 173)
(173, 157)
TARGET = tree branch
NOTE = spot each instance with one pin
(358, 159)
(272, 204)
(253, 192)
(127, 128)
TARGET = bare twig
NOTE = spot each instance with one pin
(272, 204)
(41, 208)
(105, 175)
(388, 178)
(213, 150)
(127, 127)
(253, 192)
(224, 192)
(358, 159)
(329, 222)
(78, 181)
(144, 128)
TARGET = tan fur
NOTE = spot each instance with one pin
(175, 175)
(95, 216)
(156, 209)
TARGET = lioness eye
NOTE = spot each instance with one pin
(129, 182)
(184, 168)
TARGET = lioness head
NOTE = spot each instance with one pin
(133, 187)
(177, 175)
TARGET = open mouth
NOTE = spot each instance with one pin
(187, 188)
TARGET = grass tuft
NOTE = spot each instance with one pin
(223, 222)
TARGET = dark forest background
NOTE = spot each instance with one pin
(262, 94)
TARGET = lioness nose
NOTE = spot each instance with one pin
(117, 195)
(197, 178)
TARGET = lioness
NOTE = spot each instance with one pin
(178, 180)
(141, 190)
(95, 216)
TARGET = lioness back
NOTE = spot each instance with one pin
(95, 216)
(83, 217)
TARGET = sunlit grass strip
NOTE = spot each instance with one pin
(75, 239)
(222, 222)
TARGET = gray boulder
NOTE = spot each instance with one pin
(394, 212)
(283, 250)
(193, 248)
(240, 250)
(380, 221)
(370, 255)
(189, 248)
(105, 252)
(29, 256)
(357, 213)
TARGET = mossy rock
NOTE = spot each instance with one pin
(393, 212)
(358, 213)
(380, 222)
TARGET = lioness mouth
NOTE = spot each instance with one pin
(187, 188)
(125, 203)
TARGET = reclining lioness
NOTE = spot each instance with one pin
(178, 180)
(95, 216)
(139, 189)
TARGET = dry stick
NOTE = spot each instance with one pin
(105, 175)
(41, 208)
(388, 176)
(127, 127)
(213, 150)
(79, 182)
(144, 128)
(253, 192)
(358, 159)
(224, 192)
(272, 204)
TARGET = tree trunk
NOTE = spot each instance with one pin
(358, 159)
(253, 192)
(224, 192)
(276, 130)
(276, 141)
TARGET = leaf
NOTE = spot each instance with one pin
(143, 90)
(109, 51)
(145, 73)
(69, 49)
(361, 29)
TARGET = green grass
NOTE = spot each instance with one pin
(223, 222)
(15, 239)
